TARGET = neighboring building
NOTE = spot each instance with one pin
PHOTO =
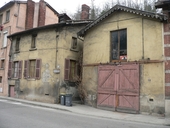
(123, 61)
(44, 61)
(17, 16)
(165, 4)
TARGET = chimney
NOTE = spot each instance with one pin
(85, 12)
(42, 12)
(29, 14)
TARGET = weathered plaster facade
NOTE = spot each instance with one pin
(18, 14)
(144, 43)
(53, 46)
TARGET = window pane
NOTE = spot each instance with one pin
(1, 19)
(7, 15)
(72, 69)
(32, 69)
(15, 69)
(123, 42)
(114, 45)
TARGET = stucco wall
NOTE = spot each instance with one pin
(48, 41)
(51, 17)
(144, 41)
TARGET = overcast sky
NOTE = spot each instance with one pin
(68, 6)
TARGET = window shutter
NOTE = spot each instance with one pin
(38, 69)
(26, 63)
(20, 70)
(67, 69)
(10, 70)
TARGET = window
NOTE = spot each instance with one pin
(71, 70)
(7, 15)
(2, 63)
(74, 43)
(0, 79)
(15, 69)
(118, 44)
(17, 44)
(5, 39)
(33, 43)
(1, 16)
(32, 69)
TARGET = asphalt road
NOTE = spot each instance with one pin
(18, 115)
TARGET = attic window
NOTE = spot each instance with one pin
(119, 45)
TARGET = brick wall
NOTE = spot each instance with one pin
(29, 14)
(85, 12)
(167, 53)
(42, 12)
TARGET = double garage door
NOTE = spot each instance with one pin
(118, 88)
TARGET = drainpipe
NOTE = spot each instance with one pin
(143, 55)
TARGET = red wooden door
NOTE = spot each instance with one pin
(118, 88)
(11, 91)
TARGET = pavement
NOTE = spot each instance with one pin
(91, 111)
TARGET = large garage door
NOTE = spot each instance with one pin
(118, 88)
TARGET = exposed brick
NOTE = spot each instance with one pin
(29, 14)
(167, 77)
(85, 12)
(167, 91)
(167, 65)
(42, 12)
(167, 51)
(166, 27)
(167, 39)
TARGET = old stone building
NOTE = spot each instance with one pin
(123, 61)
(16, 16)
(44, 61)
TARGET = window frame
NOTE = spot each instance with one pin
(37, 69)
(0, 79)
(33, 41)
(2, 63)
(1, 19)
(5, 39)
(17, 44)
(119, 57)
(7, 16)
(74, 43)
(68, 71)
(13, 71)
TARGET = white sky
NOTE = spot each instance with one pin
(68, 6)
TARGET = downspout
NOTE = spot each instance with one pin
(57, 38)
(143, 55)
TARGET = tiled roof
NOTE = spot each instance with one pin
(158, 16)
(57, 25)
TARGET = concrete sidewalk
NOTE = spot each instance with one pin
(90, 111)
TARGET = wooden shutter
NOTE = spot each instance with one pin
(26, 64)
(38, 69)
(10, 70)
(20, 69)
(66, 69)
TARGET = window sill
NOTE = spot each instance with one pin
(6, 22)
(14, 78)
(118, 60)
(16, 52)
(74, 50)
(31, 79)
(4, 47)
(32, 49)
